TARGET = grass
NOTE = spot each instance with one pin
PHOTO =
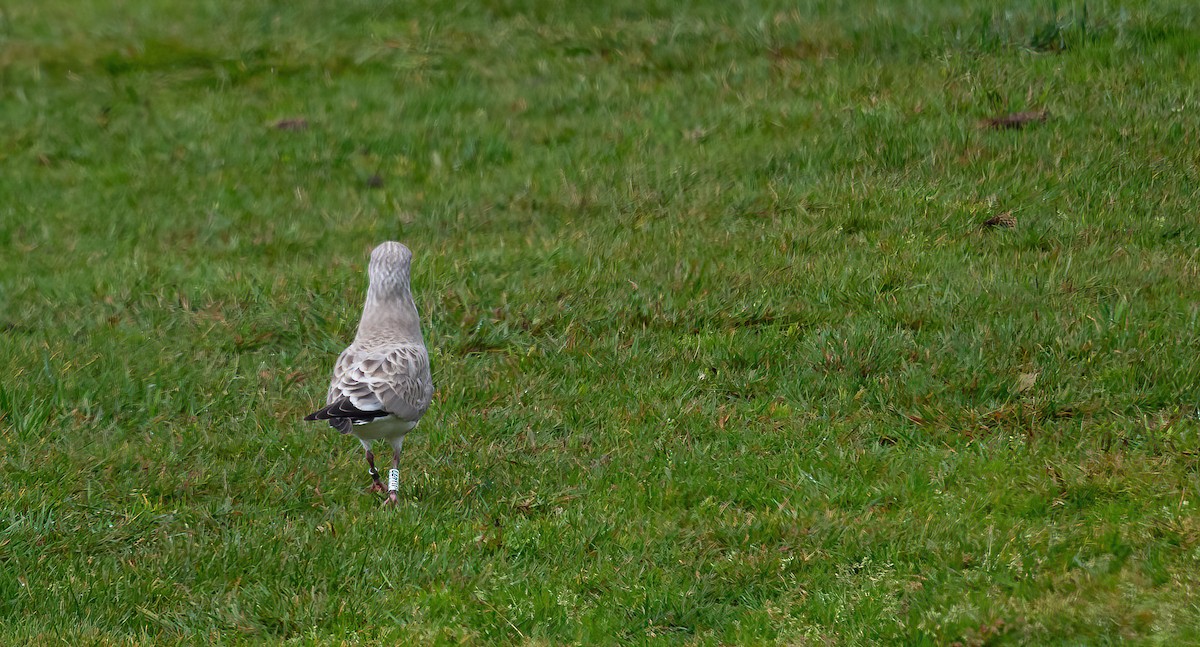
(723, 352)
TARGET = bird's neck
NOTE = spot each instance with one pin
(389, 314)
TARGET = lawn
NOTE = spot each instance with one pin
(747, 325)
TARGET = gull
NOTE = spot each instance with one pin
(381, 384)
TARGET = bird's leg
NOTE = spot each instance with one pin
(394, 474)
(376, 486)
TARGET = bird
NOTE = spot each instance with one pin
(381, 383)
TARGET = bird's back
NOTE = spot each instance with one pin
(391, 377)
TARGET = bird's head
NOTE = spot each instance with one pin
(389, 266)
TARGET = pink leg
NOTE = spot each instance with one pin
(376, 486)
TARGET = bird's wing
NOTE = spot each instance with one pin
(373, 384)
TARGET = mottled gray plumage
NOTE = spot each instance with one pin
(381, 383)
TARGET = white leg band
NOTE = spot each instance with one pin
(393, 480)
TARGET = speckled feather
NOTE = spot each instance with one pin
(384, 378)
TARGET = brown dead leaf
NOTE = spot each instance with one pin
(299, 123)
(1016, 120)
(696, 134)
(1025, 381)
(1004, 220)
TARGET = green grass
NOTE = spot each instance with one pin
(723, 353)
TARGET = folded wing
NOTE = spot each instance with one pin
(368, 385)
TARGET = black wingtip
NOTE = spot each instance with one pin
(344, 408)
(325, 413)
(343, 415)
(343, 425)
